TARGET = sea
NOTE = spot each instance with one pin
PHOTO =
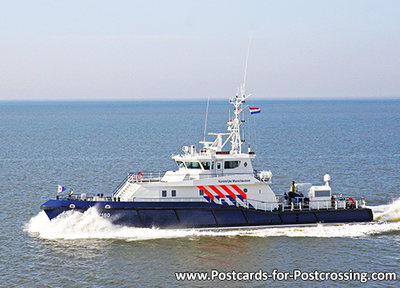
(91, 146)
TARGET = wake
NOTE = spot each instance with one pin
(390, 212)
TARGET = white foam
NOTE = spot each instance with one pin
(90, 225)
(328, 231)
(389, 212)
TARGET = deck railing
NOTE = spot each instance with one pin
(120, 185)
(299, 204)
(157, 176)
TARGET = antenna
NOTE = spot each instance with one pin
(237, 121)
(205, 122)
(235, 136)
(245, 66)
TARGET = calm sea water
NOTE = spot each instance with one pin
(90, 147)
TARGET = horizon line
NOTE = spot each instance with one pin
(200, 99)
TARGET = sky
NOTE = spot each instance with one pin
(192, 50)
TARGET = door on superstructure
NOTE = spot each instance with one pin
(219, 168)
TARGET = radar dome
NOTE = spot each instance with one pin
(327, 178)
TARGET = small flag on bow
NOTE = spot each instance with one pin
(60, 188)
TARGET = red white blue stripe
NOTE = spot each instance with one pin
(230, 198)
(254, 110)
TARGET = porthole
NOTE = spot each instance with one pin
(245, 190)
(72, 206)
(107, 206)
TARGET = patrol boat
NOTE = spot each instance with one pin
(215, 187)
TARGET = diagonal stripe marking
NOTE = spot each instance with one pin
(215, 189)
(227, 190)
(239, 191)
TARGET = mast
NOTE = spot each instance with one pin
(235, 123)
(238, 102)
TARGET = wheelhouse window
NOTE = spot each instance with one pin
(180, 164)
(325, 193)
(231, 164)
(206, 165)
(193, 165)
(164, 193)
(173, 193)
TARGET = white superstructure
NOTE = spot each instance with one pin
(213, 173)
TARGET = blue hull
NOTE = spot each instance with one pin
(201, 214)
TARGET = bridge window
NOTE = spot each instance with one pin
(173, 193)
(206, 165)
(180, 164)
(231, 164)
(325, 193)
(164, 193)
(193, 165)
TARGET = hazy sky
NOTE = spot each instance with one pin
(97, 50)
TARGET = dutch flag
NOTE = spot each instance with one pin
(254, 110)
(60, 188)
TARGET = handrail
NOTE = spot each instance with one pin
(157, 176)
(228, 171)
(339, 202)
(116, 190)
